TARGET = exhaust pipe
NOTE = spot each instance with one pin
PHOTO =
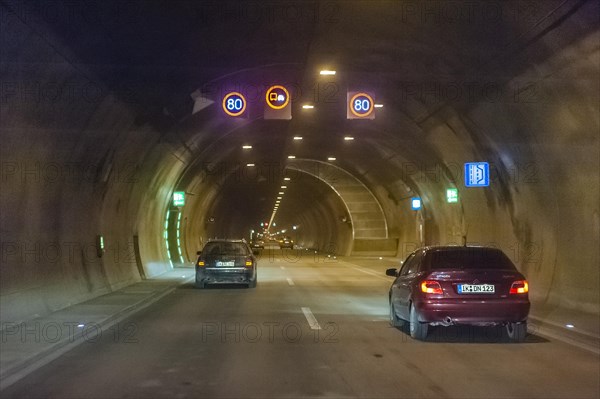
(448, 320)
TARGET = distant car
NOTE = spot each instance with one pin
(258, 244)
(447, 285)
(286, 242)
(226, 261)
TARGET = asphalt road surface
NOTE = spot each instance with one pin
(314, 327)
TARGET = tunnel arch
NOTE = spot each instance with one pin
(364, 210)
(548, 119)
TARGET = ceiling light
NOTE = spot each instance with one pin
(287, 179)
(246, 147)
(281, 193)
(327, 72)
(348, 138)
(331, 159)
(283, 186)
(291, 157)
(279, 198)
(250, 164)
(307, 106)
(297, 138)
(378, 105)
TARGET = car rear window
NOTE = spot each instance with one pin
(225, 248)
(468, 258)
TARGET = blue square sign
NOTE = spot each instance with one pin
(477, 174)
(415, 203)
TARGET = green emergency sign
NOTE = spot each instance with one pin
(178, 198)
(452, 195)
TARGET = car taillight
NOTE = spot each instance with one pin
(431, 287)
(248, 263)
(200, 263)
(519, 287)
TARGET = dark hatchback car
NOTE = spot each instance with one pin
(448, 285)
(226, 262)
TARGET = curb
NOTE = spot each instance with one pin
(29, 365)
(581, 340)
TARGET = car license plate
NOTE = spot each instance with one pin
(225, 264)
(476, 288)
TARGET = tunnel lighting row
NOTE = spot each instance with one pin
(278, 201)
(310, 106)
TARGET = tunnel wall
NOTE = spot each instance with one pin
(75, 165)
(543, 147)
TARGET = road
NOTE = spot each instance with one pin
(314, 327)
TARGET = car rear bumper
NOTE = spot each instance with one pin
(225, 276)
(459, 311)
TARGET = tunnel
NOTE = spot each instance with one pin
(111, 108)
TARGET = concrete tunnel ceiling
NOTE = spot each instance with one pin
(132, 104)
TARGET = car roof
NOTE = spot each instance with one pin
(226, 240)
(434, 248)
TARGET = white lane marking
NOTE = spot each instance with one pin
(312, 320)
(290, 281)
(282, 267)
(371, 273)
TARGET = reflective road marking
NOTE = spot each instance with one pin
(312, 321)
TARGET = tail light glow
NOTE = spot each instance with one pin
(431, 287)
(248, 263)
(200, 263)
(519, 287)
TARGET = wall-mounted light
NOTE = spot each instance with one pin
(99, 245)
(415, 203)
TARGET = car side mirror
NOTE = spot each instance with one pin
(198, 252)
(391, 272)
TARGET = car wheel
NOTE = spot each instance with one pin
(200, 284)
(252, 284)
(418, 330)
(395, 321)
(517, 332)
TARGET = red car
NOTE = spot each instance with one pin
(448, 285)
